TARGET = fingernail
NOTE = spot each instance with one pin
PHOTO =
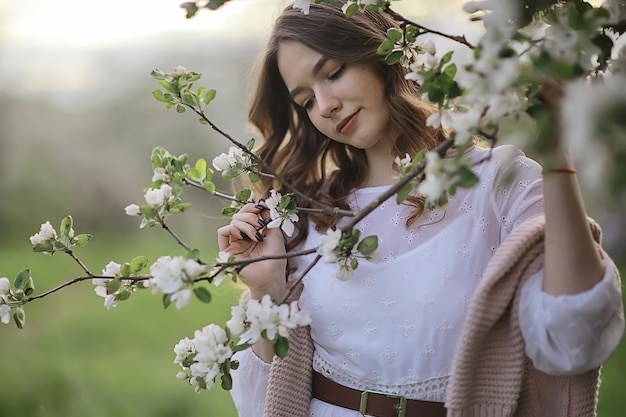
(261, 222)
(260, 207)
(258, 236)
(244, 236)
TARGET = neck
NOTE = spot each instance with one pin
(380, 167)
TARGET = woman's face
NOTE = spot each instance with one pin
(346, 102)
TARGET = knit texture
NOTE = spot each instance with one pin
(289, 387)
(491, 375)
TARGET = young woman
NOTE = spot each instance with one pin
(334, 116)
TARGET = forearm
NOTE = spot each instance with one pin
(572, 263)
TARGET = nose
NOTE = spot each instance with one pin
(328, 102)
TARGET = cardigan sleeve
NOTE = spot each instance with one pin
(571, 334)
(249, 384)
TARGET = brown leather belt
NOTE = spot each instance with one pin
(373, 404)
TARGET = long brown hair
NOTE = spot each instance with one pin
(293, 146)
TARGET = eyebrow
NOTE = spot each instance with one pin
(316, 68)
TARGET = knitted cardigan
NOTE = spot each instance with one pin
(491, 375)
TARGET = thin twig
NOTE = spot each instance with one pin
(398, 17)
(174, 235)
(79, 279)
(82, 265)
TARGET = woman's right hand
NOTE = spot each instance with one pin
(245, 238)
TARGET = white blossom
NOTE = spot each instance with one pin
(236, 323)
(329, 243)
(46, 232)
(5, 286)
(222, 162)
(132, 210)
(617, 10)
(266, 318)
(344, 273)
(233, 163)
(5, 313)
(182, 297)
(182, 349)
(281, 217)
(170, 274)
(156, 197)
(110, 301)
(222, 257)
(433, 185)
(178, 71)
(303, 5)
(160, 174)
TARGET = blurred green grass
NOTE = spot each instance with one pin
(75, 358)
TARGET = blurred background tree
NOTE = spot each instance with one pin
(77, 125)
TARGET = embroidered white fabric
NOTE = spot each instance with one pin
(394, 326)
(433, 389)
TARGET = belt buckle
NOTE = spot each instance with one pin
(401, 404)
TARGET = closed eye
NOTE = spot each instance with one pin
(336, 74)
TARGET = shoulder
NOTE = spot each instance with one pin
(503, 161)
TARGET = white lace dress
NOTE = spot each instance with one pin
(394, 326)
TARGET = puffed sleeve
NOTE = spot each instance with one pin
(571, 334)
(249, 384)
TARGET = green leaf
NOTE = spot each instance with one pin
(227, 381)
(209, 186)
(190, 8)
(114, 285)
(385, 47)
(19, 317)
(180, 108)
(158, 74)
(250, 144)
(193, 254)
(253, 176)
(21, 279)
(45, 246)
(137, 264)
(195, 174)
(82, 239)
(281, 346)
(162, 96)
(203, 294)
(229, 211)
(394, 57)
(166, 300)
(351, 10)
(125, 269)
(467, 179)
(394, 35)
(368, 245)
(354, 263)
(189, 99)
(149, 212)
(167, 84)
(123, 296)
(403, 193)
(244, 194)
(66, 226)
(209, 96)
(214, 5)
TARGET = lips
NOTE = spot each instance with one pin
(345, 125)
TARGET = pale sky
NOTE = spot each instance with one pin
(49, 45)
(82, 23)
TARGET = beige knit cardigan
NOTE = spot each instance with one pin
(491, 375)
